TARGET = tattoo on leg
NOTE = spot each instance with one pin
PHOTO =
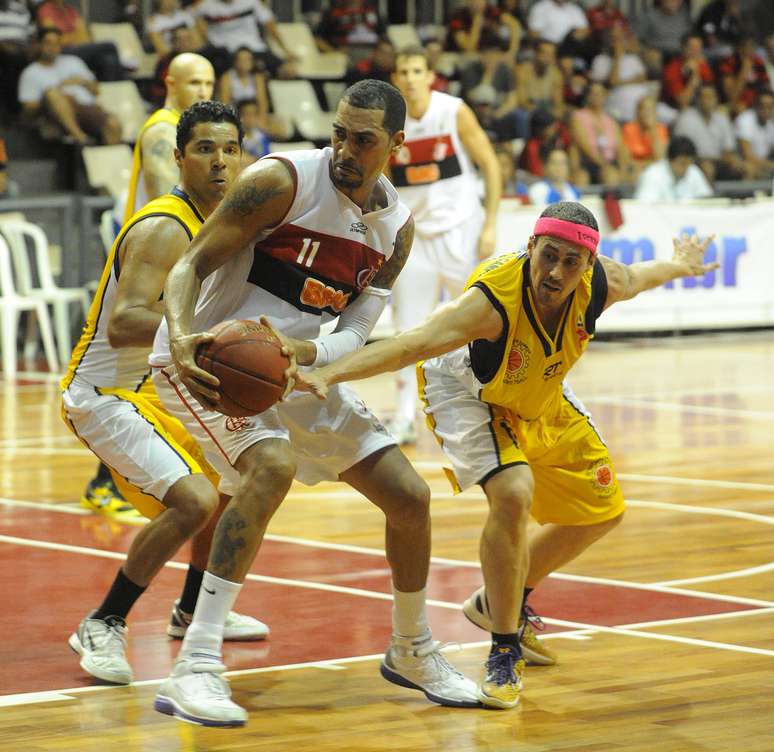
(232, 541)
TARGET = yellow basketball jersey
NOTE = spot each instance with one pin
(523, 370)
(94, 360)
(137, 197)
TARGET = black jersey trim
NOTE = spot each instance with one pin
(598, 297)
(181, 194)
(495, 470)
(560, 337)
(485, 356)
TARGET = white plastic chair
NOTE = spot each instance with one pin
(46, 290)
(403, 35)
(297, 101)
(130, 49)
(108, 167)
(11, 305)
(312, 63)
(122, 99)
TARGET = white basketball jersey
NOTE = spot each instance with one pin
(307, 270)
(433, 173)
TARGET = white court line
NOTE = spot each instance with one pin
(46, 450)
(35, 440)
(662, 587)
(749, 572)
(678, 407)
(712, 511)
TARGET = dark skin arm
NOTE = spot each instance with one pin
(149, 250)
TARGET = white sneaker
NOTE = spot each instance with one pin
(417, 663)
(102, 647)
(403, 430)
(196, 691)
(237, 627)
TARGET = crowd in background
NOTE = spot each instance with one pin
(573, 94)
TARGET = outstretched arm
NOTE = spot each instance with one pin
(469, 317)
(625, 282)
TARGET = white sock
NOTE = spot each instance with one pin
(409, 614)
(205, 633)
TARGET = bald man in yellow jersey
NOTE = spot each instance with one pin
(190, 79)
(492, 384)
(110, 405)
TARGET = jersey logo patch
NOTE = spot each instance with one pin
(318, 295)
(580, 329)
(602, 478)
(360, 227)
(234, 424)
(518, 363)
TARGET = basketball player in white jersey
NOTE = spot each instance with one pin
(108, 403)
(435, 176)
(302, 238)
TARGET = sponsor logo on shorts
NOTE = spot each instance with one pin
(603, 479)
(518, 363)
(235, 424)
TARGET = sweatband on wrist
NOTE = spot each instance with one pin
(583, 235)
(355, 324)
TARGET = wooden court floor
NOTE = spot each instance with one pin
(665, 629)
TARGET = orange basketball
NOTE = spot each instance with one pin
(247, 359)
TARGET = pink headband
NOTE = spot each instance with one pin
(575, 233)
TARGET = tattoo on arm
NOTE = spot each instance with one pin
(159, 168)
(244, 199)
(387, 275)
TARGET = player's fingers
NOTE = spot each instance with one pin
(194, 373)
(707, 241)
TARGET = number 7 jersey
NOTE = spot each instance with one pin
(305, 271)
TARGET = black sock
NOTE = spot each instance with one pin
(120, 599)
(503, 640)
(103, 473)
(193, 581)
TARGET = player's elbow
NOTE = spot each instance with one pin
(122, 329)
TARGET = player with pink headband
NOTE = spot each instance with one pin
(492, 381)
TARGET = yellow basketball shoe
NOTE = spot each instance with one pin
(536, 653)
(103, 497)
(503, 683)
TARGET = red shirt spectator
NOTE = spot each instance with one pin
(462, 20)
(351, 22)
(550, 134)
(743, 75)
(604, 16)
(682, 77)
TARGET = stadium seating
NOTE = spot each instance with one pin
(313, 63)
(122, 99)
(296, 101)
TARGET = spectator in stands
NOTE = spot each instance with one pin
(768, 50)
(675, 178)
(167, 18)
(556, 186)
(351, 25)
(755, 132)
(231, 24)
(479, 25)
(742, 75)
(597, 137)
(183, 40)
(512, 187)
(645, 138)
(483, 101)
(379, 64)
(555, 19)
(61, 87)
(434, 50)
(15, 30)
(8, 187)
(683, 76)
(547, 134)
(623, 71)
(603, 18)
(539, 81)
(661, 30)
(260, 130)
(244, 84)
(709, 128)
(721, 26)
(575, 81)
(101, 57)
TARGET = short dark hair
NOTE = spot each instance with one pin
(571, 211)
(681, 146)
(372, 94)
(205, 112)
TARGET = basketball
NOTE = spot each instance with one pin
(247, 359)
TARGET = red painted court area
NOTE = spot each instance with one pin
(47, 591)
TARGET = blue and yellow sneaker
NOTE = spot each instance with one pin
(503, 684)
(102, 496)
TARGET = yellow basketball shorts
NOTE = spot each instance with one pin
(146, 449)
(575, 483)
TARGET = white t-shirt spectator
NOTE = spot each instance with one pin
(165, 24)
(760, 137)
(15, 23)
(622, 99)
(36, 79)
(552, 21)
(544, 192)
(712, 137)
(235, 24)
(658, 183)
